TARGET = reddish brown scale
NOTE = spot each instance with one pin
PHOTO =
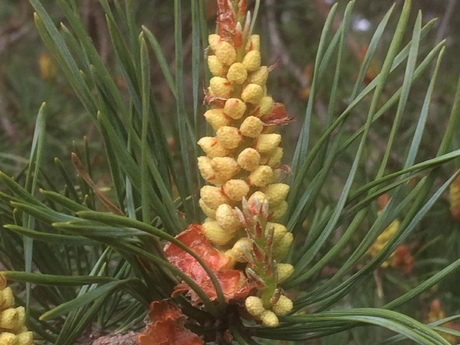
(285, 168)
(242, 7)
(278, 116)
(225, 19)
(259, 254)
(259, 232)
(218, 102)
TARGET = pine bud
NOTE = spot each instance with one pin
(237, 73)
(282, 306)
(252, 60)
(251, 127)
(252, 93)
(234, 108)
(249, 159)
(254, 305)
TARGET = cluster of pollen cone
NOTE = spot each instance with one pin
(12, 320)
(244, 199)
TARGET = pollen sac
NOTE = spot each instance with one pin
(274, 158)
(266, 105)
(454, 198)
(252, 93)
(254, 305)
(261, 176)
(216, 68)
(220, 87)
(236, 189)
(251, 127)
(216, 118)
(252, 60)
(268, 142)
(225, 53)
(216, 234)
(269, 319)
(6, 298)
(213, 41)
(224, 168)
(212, 147)
(234, 108)
(25, 338)
(259, 76)
(284, 272)
(237, 73)
(229, 137)
(206, 169)
(279, 231)
(259, 196)
(213, 197)
(282, 246)
(277, 173)
(278, 211)
(227, 219)
(242, 246)
(211, 213)
(10, 319)
(249, 159)
(253, 43)
(282, 306)
(276, 193)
